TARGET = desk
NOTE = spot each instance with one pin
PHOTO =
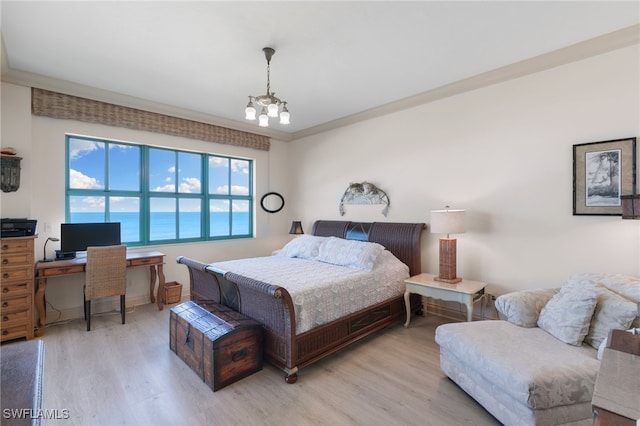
(425, 285)
(153, 259)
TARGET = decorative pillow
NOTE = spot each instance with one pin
(350, 253)
(623, 285)
(613, 312)
(568, 314)
(523, 307)
(304, 247)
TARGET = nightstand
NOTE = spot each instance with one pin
(463, 292)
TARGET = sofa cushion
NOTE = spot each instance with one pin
(568, 314)
(623, 285)
(613, 312)
(529, 364)
(523, 307)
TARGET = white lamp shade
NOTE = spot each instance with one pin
(263, 119)
(250, 113)
(272, 110)
(447, 222)
(284, 117)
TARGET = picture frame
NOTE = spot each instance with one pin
(603, 172)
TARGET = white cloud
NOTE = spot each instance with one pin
(165, 188)
(80, 147)
(218, 162)
(190, 185)
(235, 190)
(78, 180)
(241, 166)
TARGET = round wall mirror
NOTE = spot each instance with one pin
(272, 202)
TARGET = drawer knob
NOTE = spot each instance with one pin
(5, 332)
(5, 275)
(5, 304)
(5, 318)
(5, 247)
(5, 290)
(5, 261)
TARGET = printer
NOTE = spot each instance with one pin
(20, 227)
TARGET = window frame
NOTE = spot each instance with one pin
(145, 194)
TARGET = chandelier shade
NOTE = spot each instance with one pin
(269, 105)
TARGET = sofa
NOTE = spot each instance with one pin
(538, 364)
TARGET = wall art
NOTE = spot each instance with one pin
(364, 193)
(602, 172)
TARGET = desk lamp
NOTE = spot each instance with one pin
(54, 239)
(447, 222)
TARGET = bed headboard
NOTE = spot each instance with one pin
(401, 239)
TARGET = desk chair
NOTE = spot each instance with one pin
(105, 277)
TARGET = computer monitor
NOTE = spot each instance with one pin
(78, 236)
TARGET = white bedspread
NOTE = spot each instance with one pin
(323, 292)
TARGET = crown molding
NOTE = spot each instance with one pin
(625, 37)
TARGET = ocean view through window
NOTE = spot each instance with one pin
(159, 195)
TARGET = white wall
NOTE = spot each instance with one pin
(504, 153)
(41, 142)
(15, 123)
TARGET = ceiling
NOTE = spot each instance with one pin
(334, 61)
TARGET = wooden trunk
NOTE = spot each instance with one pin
(220, 345)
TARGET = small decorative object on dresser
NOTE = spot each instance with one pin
(220, 345)
(17, 287)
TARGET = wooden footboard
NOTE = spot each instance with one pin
(273, 307)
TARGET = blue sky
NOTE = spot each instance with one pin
(87, 171)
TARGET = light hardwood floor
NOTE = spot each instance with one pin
(126, 375)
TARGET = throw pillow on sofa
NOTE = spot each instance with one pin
(567, 315)
(523, 307)
(613, 312)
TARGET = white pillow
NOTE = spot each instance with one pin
(304, 247)
(568, 314)
(350, 253)
(523, 307)
(613, 312)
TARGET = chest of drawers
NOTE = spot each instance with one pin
(16, 284)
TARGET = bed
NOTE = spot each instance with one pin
(273, 306)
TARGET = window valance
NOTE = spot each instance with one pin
(58, 105)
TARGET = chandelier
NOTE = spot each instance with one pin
(269, 104)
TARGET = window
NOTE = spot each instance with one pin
(158, 195)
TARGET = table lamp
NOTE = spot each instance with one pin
(447, 222)
(296, 228)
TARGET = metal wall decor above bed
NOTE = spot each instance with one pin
(364, 193)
